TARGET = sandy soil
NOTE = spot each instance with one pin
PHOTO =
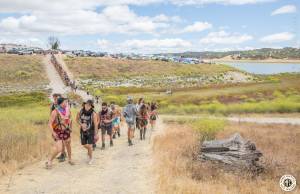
(118, 169)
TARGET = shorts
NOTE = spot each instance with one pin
(106, 129)
(131, 125)
(62, 135)
(87, 137)
(143, 122)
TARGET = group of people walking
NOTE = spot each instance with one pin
(107, 122)
(62, 73)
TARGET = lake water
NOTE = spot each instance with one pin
(265, 68)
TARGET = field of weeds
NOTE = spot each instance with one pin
(175, 152)
(24, 133)
(108, 68)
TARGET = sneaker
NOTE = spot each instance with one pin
(48, 165)
(103, 146)
(90, 162)
(130, 143)
(62, 157)
(111, 143)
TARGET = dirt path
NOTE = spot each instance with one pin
(82, 93)
(118, 169)
(56, 84)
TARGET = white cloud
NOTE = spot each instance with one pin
(112, 19)
(223, 37)
(279, 37)
(146, 46)
(75, 5)
(103, 44)
(284, 10)
(29, 41)
(225, 2)
(197, 27)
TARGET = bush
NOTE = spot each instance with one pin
(23, 74)
(208, 128)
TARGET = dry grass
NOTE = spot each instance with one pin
(108, 68)
(24, 136)
(22, 70)
(180, 173)
(24, 133)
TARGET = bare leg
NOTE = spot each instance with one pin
(69, 150)
(144, 132)
(56, 149)
(103, 140)
(89, 148)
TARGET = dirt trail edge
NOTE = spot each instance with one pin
(118, 169)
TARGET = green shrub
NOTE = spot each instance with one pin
(23, 74)
(208, 128)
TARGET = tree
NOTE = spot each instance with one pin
(53, 42)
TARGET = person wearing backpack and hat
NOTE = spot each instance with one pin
(55, 96)
(87, 119)
(60, 124)
(130, 114)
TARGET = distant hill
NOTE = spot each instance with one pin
(256, 54)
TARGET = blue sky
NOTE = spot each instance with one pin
(152, 26)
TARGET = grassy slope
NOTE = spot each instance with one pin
(107, 68)
(21, 71)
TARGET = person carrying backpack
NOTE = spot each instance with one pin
(130, 114)
(106, 117)
(143, 119)
(117, 120)
(140, 103)
(55, 96)
(60, 124)
(87, 119)
(153, 115)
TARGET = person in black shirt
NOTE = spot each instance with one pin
(87, 119)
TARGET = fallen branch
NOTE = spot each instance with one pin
(235, 152)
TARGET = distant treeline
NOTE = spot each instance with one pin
(264, 53)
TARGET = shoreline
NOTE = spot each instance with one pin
(287, 61)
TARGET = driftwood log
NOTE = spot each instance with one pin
(234, 152)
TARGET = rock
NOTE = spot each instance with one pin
(235, 152)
